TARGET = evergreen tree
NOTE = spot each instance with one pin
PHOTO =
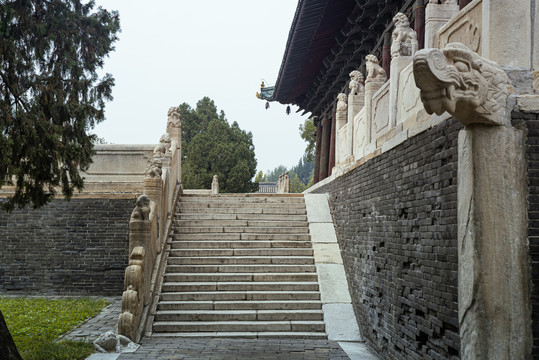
(50, 96)
(307, 132)
(274, 174)
(213, 147)
(261, 177)
(304, 169)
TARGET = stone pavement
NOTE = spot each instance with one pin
(107, 320)
(167, 348)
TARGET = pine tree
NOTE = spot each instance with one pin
(213, 147)
(50, 96)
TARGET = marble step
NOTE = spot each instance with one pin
(296, 198)
(240, 260)
(239, 326)
(240, 295)
(240, 230)
(238, 286)
(237, 223)
(239, 315)
(241, 305)
(245, 210)
(240, 236)
(249, 217)
(246, 335)
(243, 244)
(242, 252)
(240, 277)
(246, 268)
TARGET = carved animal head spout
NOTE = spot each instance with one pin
(457, 80)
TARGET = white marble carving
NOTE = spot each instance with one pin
(342, 110)
(356, 85)
(155, 169)
(457, 80)
(174, 117)
(404, 37)
(436, 16)
(215, 185)
(375, 73)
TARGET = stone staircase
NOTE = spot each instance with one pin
(240, 266)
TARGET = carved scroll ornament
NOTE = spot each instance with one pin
(457, 80)
(174, 117)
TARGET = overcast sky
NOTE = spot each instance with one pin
(178, 51)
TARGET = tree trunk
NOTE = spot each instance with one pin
(8, 350)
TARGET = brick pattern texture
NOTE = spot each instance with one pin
(531, 121)
(396, 222)
(76, 247)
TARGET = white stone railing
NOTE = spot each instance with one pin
(149, 227)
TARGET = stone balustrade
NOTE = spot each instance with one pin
(149, 228)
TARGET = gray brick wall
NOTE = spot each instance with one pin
(75, 247)
(396, 221)
(531, 122)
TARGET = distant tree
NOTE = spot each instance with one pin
(273, 175)
(50, 96)
(308, 134)
(210, 146)
(304, 169)
(296, 185)
(261, 177)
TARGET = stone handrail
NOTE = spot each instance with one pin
(149, 227)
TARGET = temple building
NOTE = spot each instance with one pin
(426, 117)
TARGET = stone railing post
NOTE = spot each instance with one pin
(493, 279)
(174, 129)
(436, 15)
(215, 185)
(376, 77)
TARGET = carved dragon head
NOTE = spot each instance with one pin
(457, 80)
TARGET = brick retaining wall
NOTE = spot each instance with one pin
(531, 121)
(76, 247)
(396, 221)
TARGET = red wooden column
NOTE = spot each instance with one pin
(316, 175)
(332, 142)
(419, 23)
(324, 150)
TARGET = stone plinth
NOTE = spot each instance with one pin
(437, 15)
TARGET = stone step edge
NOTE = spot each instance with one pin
(193, 283)
(244, 335)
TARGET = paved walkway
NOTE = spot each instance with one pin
(161, 348)
(166, 348)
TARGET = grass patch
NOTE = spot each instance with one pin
(36, 324)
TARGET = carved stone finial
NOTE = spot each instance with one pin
(142, 208)
(374, 71)
(404, 37)
(342, 104)
(155, 169)
(357, 81)
(457, 80)
(215, 185)
(166, 141)
(174, 117)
